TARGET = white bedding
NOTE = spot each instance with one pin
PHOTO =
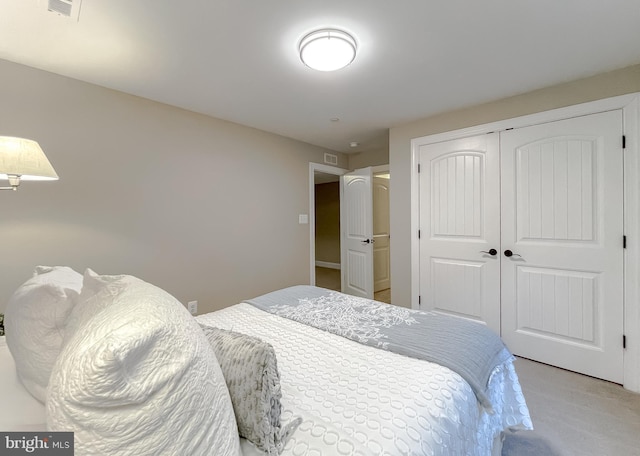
(358, 400)
(354, 399)
(20, 410)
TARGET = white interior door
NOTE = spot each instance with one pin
(381, 235)
(562, 217)
(460, 228)
(356, 225)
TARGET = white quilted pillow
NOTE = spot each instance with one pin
(35, 320)
(138, 377)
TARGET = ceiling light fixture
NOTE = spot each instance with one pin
(327, 49)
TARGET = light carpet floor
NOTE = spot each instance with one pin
(574, 415)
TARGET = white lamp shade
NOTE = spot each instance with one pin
(327, 49)
(24, 158)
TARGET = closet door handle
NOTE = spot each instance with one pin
(508, 253)
(492, 252)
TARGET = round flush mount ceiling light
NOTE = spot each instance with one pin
(327, 49)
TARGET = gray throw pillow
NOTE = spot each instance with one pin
(250, 369)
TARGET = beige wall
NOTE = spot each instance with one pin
(204, 208)
(369, 158)
(601, 86)
(327, 203)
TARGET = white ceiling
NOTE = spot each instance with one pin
(237, 59)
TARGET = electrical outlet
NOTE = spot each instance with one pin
(192, 306)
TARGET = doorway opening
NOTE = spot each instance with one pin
(327, 231)
(324, 201)
(324, 218)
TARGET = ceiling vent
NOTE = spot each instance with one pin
(330, 159)
(65, 8)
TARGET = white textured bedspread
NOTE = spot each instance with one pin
(359, 400)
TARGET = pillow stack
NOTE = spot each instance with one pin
(131, 372)
(35, 317)
(137, 376)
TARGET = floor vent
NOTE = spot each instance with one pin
(330, 159)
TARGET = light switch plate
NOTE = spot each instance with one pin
(303, 219)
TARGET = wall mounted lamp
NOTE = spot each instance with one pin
(23, 159)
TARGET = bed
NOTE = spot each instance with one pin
(336, 388)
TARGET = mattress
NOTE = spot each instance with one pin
(360, 400)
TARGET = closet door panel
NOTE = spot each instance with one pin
(459, 220)
(562, 217)
(556, 189)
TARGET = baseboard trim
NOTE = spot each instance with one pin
(327, 264)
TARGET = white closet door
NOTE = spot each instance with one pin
(562, 217)
(459, 220)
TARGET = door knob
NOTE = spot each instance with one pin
(508, 253)
(368, 241)
(490, 252)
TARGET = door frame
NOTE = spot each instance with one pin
(326, 169)
(630, 106)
